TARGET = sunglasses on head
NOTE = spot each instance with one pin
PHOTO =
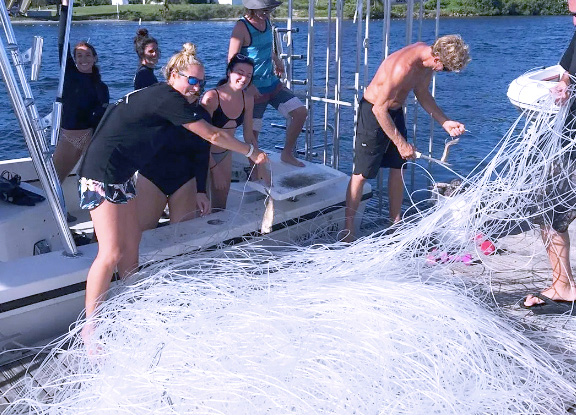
(192, 80)
(243, 58)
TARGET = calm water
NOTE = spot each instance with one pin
(502, 48)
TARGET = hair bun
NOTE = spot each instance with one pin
(142, 32)
(189, 49)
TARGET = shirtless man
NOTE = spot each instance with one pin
(381, 129)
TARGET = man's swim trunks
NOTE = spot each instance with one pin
(373, 148)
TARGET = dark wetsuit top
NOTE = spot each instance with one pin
(85, 96)
(220, 119)
(144, 77)
(133, 131)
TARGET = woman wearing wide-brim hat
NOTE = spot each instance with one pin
(252, 36)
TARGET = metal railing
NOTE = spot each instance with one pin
(32, 127)
(330, 94)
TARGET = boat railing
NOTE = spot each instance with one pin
(328, 94)
(33, 128)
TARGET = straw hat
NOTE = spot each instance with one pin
(260, 4)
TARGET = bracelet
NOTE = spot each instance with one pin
(251, 151)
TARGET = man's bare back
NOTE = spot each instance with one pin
(399, 74)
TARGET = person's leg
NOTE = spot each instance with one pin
(108, 220)
(295, 113)
(150, 203)
(65, 158)
(395, 194)
(221, 175)
(182, 202)
(132, 234)
(558, 250)
(293, 130)
(353, 198)
(117, 229)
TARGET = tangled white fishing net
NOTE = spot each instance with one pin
(370, 328)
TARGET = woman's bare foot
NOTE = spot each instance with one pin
(290, 159)
(90, 341)
(346, 236)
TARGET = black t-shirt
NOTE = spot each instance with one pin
(133, 130)
(144, 77)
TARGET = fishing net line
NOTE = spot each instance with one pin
(380, 326)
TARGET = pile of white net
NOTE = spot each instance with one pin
(367, 328)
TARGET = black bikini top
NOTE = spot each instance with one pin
(219, 119)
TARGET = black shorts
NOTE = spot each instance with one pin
(373, 148)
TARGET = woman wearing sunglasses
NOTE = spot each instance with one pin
(177, 175)
(131, 134)
(229, 108)
(252, 36)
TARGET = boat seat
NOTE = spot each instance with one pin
(23, 227)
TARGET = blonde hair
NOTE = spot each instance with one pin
(452, 52)
(182, 60)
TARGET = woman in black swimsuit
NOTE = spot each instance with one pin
(230, 108)
(177, 175)
(84, 100)
(130, 135)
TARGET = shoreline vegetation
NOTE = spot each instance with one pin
(172, 10)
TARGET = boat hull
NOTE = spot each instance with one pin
(42, 295)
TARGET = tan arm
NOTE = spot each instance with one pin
(237, 40)
(219, 138)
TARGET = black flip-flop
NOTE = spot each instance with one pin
(550, 306)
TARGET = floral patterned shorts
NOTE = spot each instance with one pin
(93, 192)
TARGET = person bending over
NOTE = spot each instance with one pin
(177, 175)
(381, 135)
(130, 135)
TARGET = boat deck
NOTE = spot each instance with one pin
(520, 267)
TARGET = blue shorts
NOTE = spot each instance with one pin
(93, 193)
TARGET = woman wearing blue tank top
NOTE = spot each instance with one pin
(229, 108)
(252, 36)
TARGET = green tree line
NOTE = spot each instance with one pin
(202, 10)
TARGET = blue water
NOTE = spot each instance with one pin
(502, 48)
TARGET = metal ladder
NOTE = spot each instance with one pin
(32, 126)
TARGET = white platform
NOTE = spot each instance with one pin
(289, 181)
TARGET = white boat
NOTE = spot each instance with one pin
(44, 262)
(529, 90)
(42, 288)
